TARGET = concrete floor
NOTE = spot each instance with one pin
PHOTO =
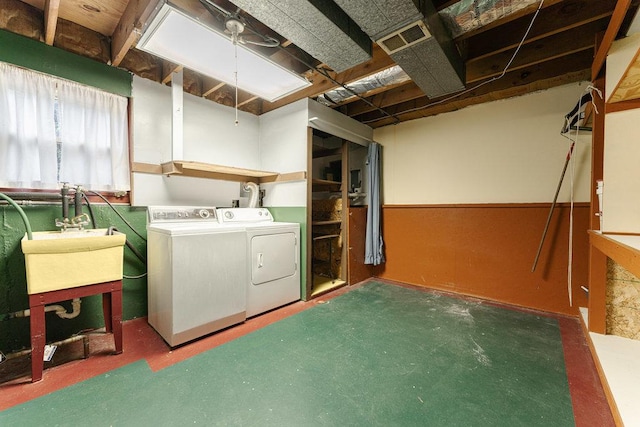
(143, 344)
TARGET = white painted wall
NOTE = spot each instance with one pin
(210, 136)
(508, 151)
(621, 175)
(283, 138)
(283, 148)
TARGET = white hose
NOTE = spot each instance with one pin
(254, 191)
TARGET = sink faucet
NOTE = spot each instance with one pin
(80, 219)
(64, 192)
(77, 200)
(76, 222)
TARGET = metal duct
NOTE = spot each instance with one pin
(319, 27)
(391, 76)
(414, 36)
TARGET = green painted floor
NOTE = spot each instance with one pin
(378, 355)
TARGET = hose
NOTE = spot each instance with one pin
(93, 217)
(253, 190)
(119, 214)
(27, 224)
(112, 228)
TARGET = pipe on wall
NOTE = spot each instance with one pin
(60, 311)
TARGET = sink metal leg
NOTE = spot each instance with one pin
(112, 310)
(38, 338)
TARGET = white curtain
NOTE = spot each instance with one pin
(93, 131)
(37, 111)
(27, 129)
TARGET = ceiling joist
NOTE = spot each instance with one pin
(559, 49)
(51, 10)
(129, 28)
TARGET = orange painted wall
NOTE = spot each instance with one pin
(487, 251)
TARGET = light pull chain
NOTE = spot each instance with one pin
(236, 78)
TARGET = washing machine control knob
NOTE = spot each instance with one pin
(228, 215)
(203, 213)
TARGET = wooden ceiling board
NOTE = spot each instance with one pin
(97, 15)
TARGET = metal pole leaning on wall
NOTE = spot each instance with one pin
(553, 205)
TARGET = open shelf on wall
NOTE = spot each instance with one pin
(212, 171)
(326, 185)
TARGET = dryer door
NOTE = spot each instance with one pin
(273, 257)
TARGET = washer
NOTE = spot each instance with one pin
(273, 254)
(197, 272)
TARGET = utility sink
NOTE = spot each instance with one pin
(58, 260)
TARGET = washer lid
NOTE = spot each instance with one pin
(186, 228)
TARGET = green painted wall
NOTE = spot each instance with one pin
(14, 333)
(32, 54)
(299, 215)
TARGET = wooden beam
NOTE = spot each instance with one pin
(249, 99)
(619, 13)
(128, 29)
(551, 20)
(321, 84)
(51, 9)
(400, 94)
(146, 168)
(630, 104)
(211, 89)
(555, 46)
(540, 76)
(168, 68)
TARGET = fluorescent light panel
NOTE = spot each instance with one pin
(181, 39)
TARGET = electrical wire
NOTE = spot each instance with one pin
(119, 214)
(486, 82)
(235, 74)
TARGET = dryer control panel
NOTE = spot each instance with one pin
(159, 214)
(244, 215)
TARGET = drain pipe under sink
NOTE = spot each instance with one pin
(60, 311)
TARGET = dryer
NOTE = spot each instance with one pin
(197, 272)
(273, 258)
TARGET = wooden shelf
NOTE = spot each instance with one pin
(330, 222)
(319, 152)
(624, 249)
(211, 171)
(324, 236)
(325, 185)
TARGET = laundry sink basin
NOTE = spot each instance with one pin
(67, 259)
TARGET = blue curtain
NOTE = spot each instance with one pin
(373, 244)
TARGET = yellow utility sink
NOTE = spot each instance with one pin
(67, 259)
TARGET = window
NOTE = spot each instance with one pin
(53, 130)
